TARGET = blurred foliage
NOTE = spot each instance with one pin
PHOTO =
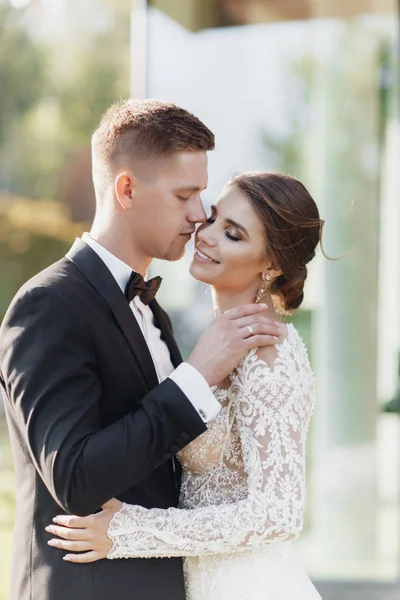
(95, 88)
(100, 75)
(32, 236)
(57, 86)
(21, 70)
(373, 67)
(286, 151)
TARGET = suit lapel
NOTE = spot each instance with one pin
(163, 322)
(100, 277)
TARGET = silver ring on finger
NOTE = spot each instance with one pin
(251, 332)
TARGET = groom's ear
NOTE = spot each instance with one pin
(125, 189)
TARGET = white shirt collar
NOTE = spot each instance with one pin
(120, 270)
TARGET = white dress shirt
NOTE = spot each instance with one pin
(192, 384)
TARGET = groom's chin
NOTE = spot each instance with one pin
(174, 254)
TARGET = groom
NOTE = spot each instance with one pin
(97, 398)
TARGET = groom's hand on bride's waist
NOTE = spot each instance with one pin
(231, 335)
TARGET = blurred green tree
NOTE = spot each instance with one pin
(32, 236)
(62, 86)
(21, 69)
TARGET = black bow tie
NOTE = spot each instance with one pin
(137, 286)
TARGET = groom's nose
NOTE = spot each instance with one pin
(205, 235)
(196, 212)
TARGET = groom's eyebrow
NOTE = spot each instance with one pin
(191, 188)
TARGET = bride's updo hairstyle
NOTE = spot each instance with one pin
(292, 227)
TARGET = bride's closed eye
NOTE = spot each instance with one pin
(212, 219)
(232, 237)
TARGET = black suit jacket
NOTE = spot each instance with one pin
(88, 421)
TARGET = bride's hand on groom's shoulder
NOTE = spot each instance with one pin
(86, 536)
(231, 335)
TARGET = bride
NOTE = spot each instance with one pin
(243, 486)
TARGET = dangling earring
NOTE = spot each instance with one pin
(264, 287)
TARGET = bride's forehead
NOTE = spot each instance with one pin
(233, 203)
(231, 198)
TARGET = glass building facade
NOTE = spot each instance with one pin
(311, 88)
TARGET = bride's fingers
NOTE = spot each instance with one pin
(66, 533)
(69, 546)
(73, 521)
(87, 557)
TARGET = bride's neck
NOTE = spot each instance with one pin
(228, 300)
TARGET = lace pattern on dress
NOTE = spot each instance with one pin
(244, 479)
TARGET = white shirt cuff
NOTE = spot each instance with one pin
(197, 390)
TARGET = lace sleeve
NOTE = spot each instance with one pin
(272, 410)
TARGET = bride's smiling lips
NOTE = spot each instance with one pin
(201, 256)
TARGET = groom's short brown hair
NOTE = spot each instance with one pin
(137, 130)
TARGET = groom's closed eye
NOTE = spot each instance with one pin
(187, 191)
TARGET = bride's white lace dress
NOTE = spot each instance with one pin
(243, 488)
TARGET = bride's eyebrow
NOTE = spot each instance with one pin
(238, 226)
(231, 221)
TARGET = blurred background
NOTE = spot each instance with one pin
(309, 87)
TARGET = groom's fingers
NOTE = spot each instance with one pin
(261, 324)
(258, 341)
(244, 311)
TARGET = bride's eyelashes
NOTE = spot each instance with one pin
(227, 233)
(232, 237)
